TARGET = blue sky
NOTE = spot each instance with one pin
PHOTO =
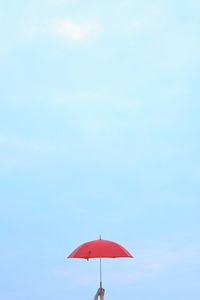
(99, 133)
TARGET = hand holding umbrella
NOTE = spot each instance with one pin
(100, 293)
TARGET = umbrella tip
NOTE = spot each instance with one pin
(100, 236)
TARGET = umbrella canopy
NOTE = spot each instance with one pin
(99, 249)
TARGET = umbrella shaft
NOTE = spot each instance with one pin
(100, 274)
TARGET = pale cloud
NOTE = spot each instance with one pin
(91, 116)
(23, 144)
(69, 29)
(7, 295)
(17, 150)
(76, 274)
(98, 98)
(149, 264)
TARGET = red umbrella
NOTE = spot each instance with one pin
(100, 249)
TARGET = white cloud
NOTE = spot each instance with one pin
(66, 29)
(73, 30)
